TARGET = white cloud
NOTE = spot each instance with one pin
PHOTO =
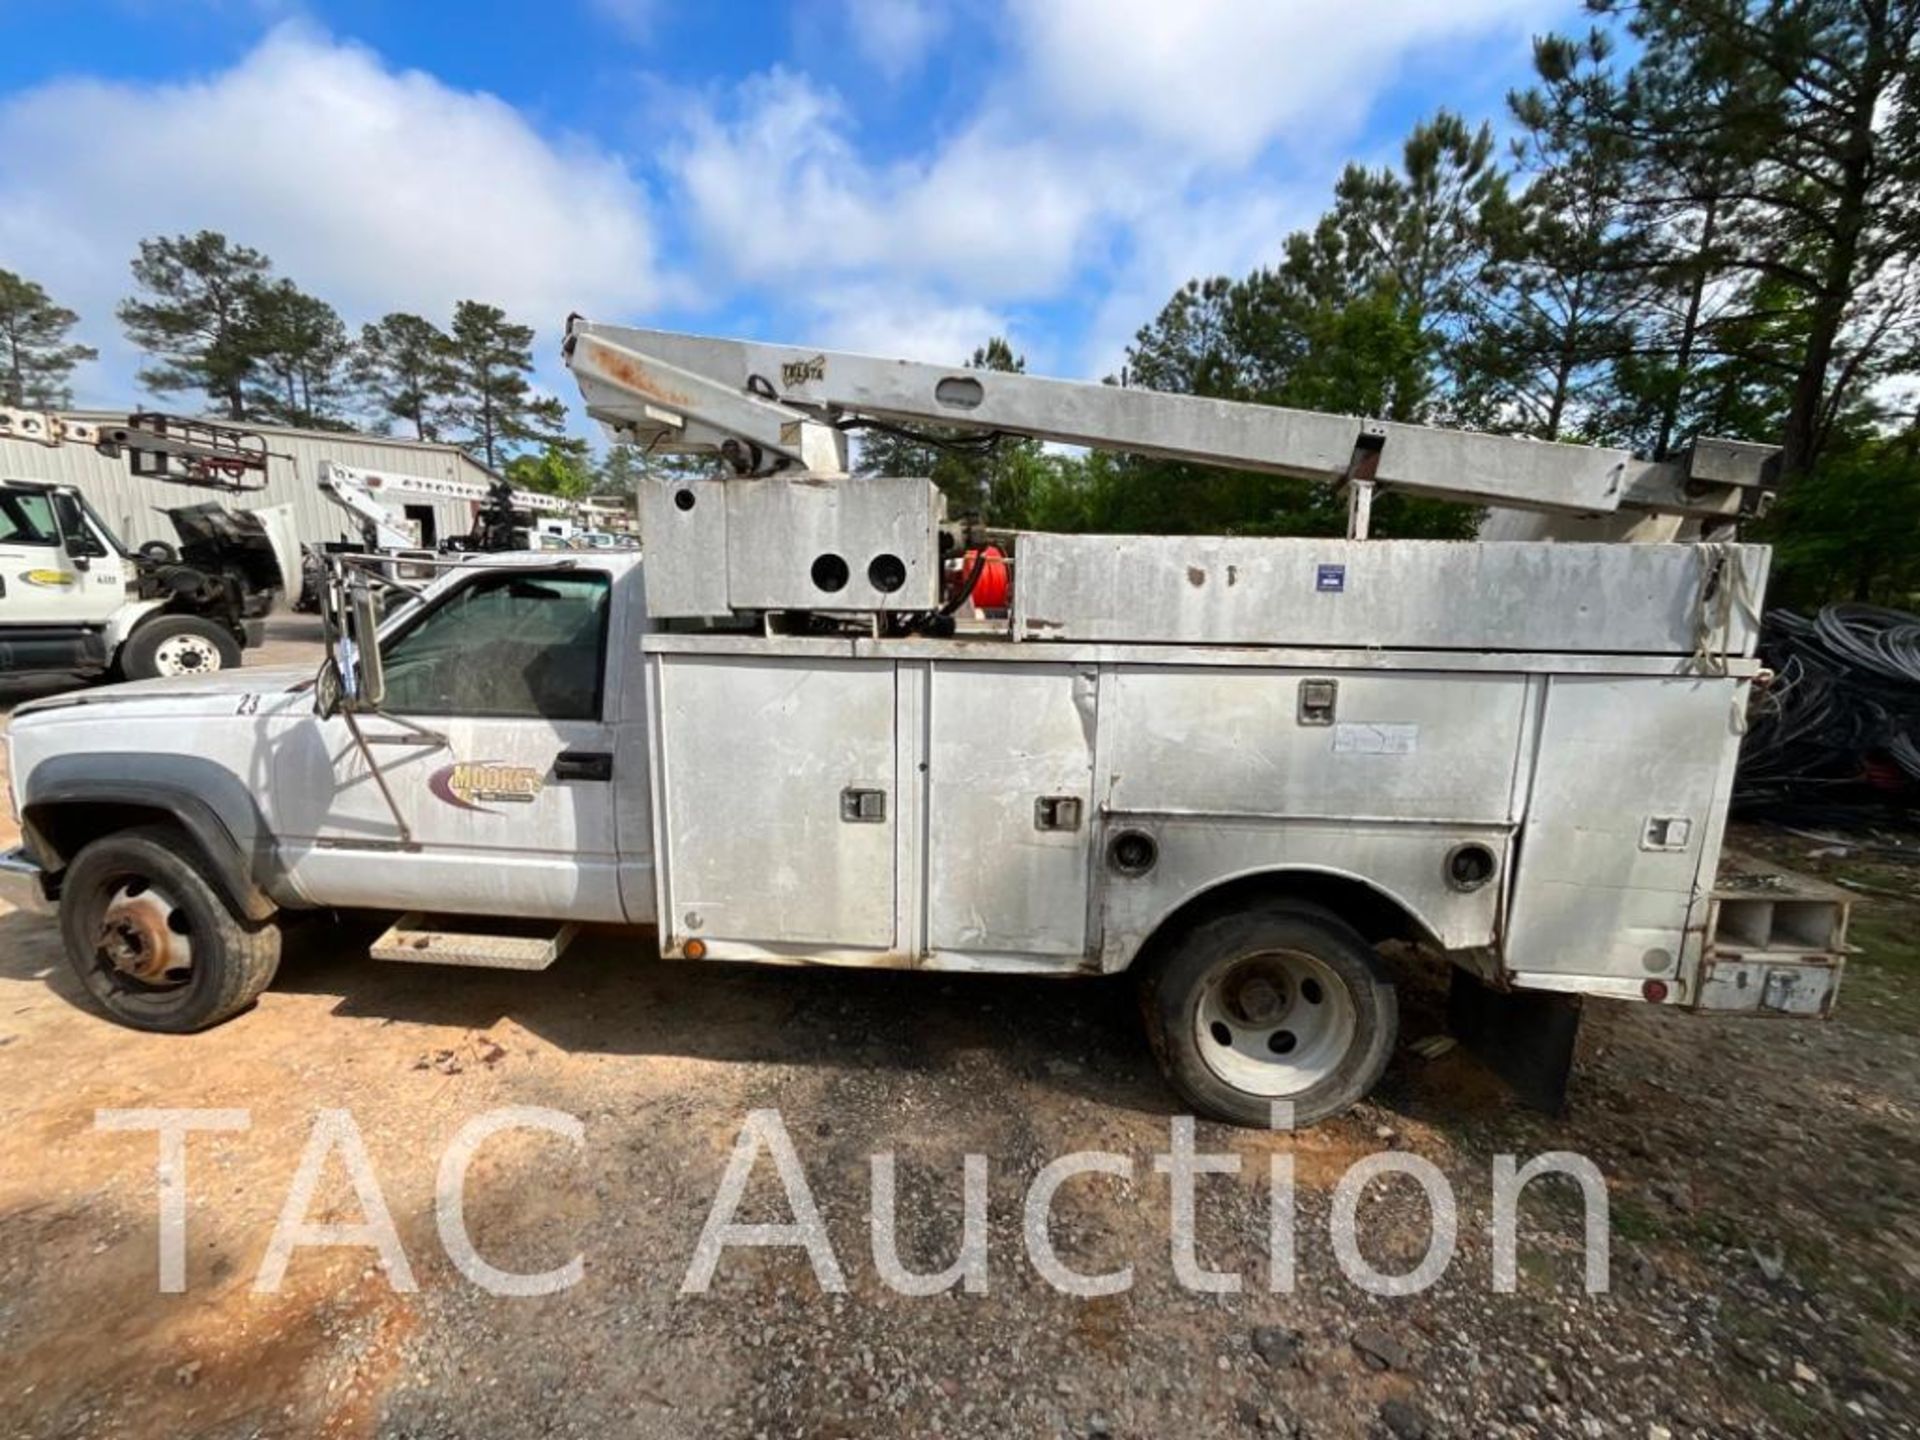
(895, 35)
(780, 192)
(1121, 147)
(374, 188)
(878, 319)
(1219, 80)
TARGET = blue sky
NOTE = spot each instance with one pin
(902, 176)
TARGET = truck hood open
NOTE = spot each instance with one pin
(251, 541)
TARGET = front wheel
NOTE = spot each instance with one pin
(176, 645)
(1277, 1003)
(151, 939)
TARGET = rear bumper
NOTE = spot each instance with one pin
(1772, 985)
(23, 883)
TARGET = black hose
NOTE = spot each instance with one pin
(1835, 740)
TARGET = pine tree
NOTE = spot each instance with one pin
(491, 404)
(1555, 290)
(1415, 236)
(403, 363)
(1793, 121)
(199, 317)
(33, 346)
(303, 352)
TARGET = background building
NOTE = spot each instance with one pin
(134, 507)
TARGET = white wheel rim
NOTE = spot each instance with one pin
(1275, 1023)
(185, 655)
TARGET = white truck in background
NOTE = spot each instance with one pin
(1234, 768)
(363, 493)
(504, 519)
(74, 599)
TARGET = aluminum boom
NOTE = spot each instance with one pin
(769, 406)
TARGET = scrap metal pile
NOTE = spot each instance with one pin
(1835, 739)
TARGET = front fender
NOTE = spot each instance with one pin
(123, 621)
(68, 798)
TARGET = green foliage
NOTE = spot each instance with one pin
(36, 361)
(1788, 128)
(217, 321)
(562, 467)
(302, 358)
(1554, 292)
(619, 472)
(1846, 529)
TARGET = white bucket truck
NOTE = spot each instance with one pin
(1235, 768)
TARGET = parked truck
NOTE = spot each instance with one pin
(74, 599)
(1238, 769)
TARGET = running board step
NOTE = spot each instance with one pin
(448, 940)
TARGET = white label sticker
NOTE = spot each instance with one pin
(1357, 739)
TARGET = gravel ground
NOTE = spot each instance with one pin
(1764, 1186)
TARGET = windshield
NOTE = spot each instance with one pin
(26, 518)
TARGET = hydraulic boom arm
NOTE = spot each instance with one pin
(771, 407)
(356, 489)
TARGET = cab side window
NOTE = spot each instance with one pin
(26, 518)
(506, 644)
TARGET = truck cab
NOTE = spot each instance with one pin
(74, 598)
(63, 579)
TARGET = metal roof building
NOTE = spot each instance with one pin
(134, 506)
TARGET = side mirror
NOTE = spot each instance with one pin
(352, 677)
(328, 693)
(75, 533)
(372, 675)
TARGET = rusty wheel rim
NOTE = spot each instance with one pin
(144, 937)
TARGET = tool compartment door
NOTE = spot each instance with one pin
(1627, 803)
(1009, 808)
(776, 800)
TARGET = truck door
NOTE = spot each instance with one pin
(514, 814)
(45, 584)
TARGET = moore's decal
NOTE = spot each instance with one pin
(473, 784)
(52, 579)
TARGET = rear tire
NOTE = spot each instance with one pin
(152, 940)
(1283, 1002)
(175, 646)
